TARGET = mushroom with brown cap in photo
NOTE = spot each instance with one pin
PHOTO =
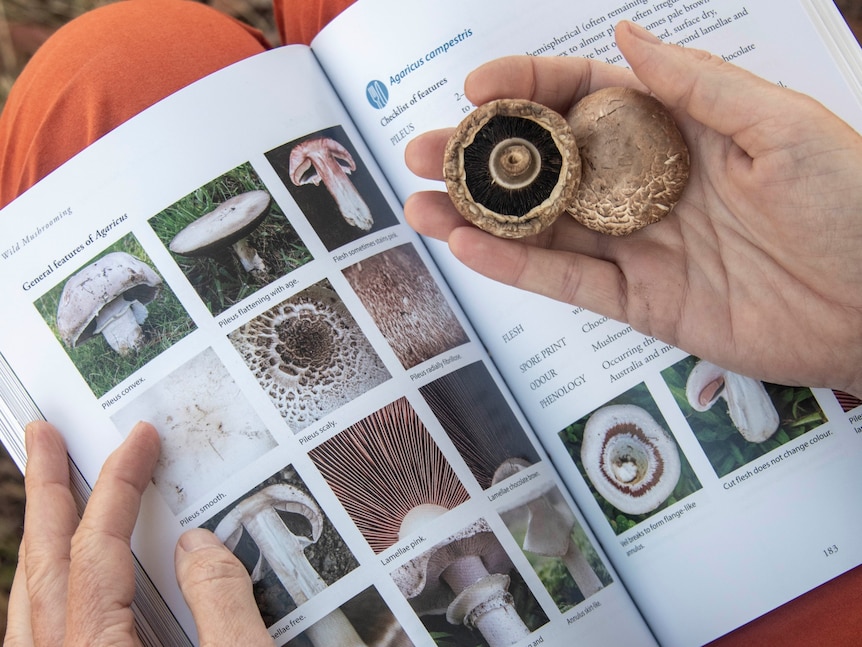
(750, 408)
(630, 459)
(227, 226)
(325, 160)
(511, 167)
(466, 577)
(108, 297)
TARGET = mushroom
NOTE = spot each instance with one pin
(749, 405)
(634, 161)
(511, 167)
(549, 524)
(465, 577)
(630, 169)
(389, 474)
(108, 297)
(629, 458)
(228, 225)
(282, 551)
(324, 159)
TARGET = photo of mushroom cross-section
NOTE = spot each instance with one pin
(209, 430)
(629, 459)
(407, 305)
(309, 355)
(389, 474)
(230, 238)
(737, 419)
(464, 590)
(114, 314)
(333, 188)
(290, 548)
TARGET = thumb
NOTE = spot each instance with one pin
(217, 589)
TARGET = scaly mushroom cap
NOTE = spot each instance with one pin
(511, 167)
(634, 161)
(629, 458)
(87, 293)
(229, 222)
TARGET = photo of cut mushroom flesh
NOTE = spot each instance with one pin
(632, 462)
(108, 297)
(325, 160)
(750, 408)
(633, 164)
(227, 227)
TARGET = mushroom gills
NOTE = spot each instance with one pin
(119, 322)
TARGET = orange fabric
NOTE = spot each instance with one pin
(111, 63)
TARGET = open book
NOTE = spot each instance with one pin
(402, 452)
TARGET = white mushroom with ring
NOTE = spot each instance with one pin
(325, 160)
(749, 405)
(629, 458)
(227, 226)
(108, 297)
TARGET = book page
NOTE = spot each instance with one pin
(744, 524)
(232, 267)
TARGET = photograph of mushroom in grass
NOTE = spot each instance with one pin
(309, 355)
(114, 314)
(407, 305)
(286, 542)
(480, 423)
(332, 187)
(629, 459)
(209, 430)
(554, 543)
(389, 474)
(230, 238)
(735, 418)
(467, 592)
(369, 623)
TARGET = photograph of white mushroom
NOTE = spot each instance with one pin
(407, 305)
(230, 238)
(288, 545)
(735, 418)
(370, 623)
(332, 187)
(209, 430)
(479, 421)
(553, 541)
(114, 314)
(467, 592)
(309, 355)
(629, 459)
(389, 474)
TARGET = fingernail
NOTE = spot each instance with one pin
(642, 34)
(198, 539)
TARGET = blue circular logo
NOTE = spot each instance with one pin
(377, 94)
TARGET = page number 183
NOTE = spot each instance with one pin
(830, 550)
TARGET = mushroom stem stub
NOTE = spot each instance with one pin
(512, 167)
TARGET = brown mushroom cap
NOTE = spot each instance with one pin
(634, 161)
(511, 167)
(229, 222)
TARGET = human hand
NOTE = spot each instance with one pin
(759, 266)
(74, 583)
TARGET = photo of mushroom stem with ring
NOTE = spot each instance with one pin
(209, 430)
(332, 186)
(114, 314)
(309, 355)
(373, 622)
(407, 305)
(629, 459)
(230, 238)
(479, 422)
(389, 474)
(467, 591)
(735, 418)
(288, 545)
